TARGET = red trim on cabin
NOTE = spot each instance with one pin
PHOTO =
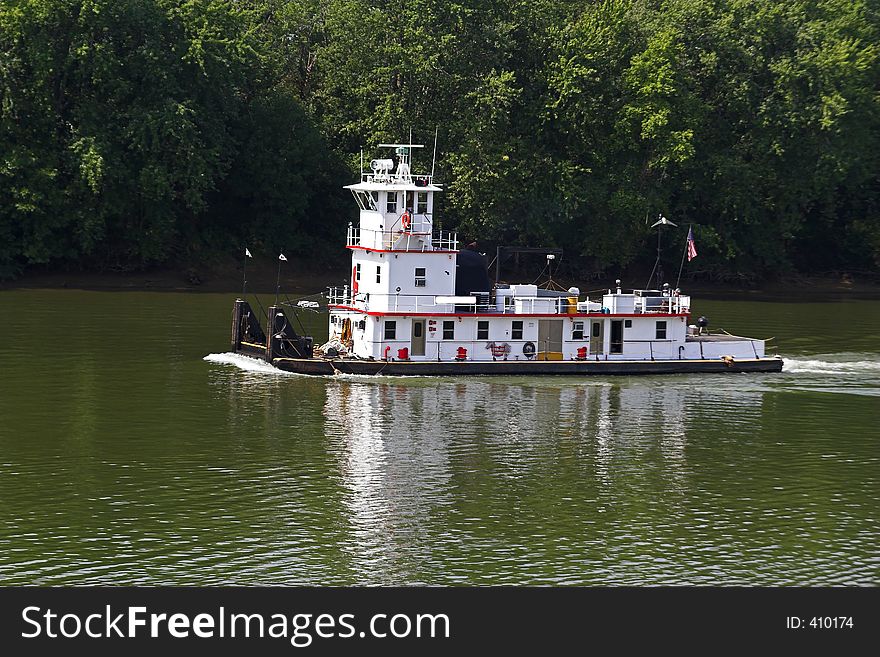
(415, 313)
(366, 248)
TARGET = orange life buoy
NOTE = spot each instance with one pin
(406, 219)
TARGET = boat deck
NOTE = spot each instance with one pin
(716, 337)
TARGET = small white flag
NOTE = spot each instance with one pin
(248, 253)
(281, 257)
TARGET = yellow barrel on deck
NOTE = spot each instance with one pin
(572, 305)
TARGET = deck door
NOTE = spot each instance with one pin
(616, 346)
(417, 346)
(550, 339)
(597, 336)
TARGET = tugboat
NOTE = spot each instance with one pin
(418, 303)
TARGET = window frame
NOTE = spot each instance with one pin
(577, 331)
(514, 329)
(391, 202)
(482, 329)
(378, 274)
(448, 329)
(390, 332)
(421, 202)
(660, 327)
(420, 281)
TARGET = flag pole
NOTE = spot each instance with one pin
(278, 280)
(684, 253)
(244, 275)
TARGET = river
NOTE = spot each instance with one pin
(135, 450)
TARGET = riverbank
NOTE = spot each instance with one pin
(301, 276)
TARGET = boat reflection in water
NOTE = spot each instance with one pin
(534, 478)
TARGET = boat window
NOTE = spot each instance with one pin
(369, 201)
(597, 327)
(362, 325)
(482, 330)
(357, 272)
(516, 330)
(391, 204)
(421, 280)
(661, 330)
(422, 198)
(449, 330)
(577, 331)
(358, 199)
(378, 273)
(390, 330)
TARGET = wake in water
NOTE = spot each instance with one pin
(842, 363)
(245, 363)
(249, 364)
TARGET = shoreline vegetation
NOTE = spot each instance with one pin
(301, 277)
(140, 135)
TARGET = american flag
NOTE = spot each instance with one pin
(692, 248)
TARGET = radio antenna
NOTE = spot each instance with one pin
(434, 159)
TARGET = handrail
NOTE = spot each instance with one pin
(388, 239)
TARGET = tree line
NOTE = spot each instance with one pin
(152, 132)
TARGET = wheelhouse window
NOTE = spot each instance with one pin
(422, 203)
(449, 330)
(482, 330)
(577, 331)
(365, 200)
(516, 330)
(420, 277)
(661, 330)
(391, 203)
(390, 329)
(378, 273)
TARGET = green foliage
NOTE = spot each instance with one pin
(154, 130)
(121, 122)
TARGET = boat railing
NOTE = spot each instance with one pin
(485, 303)
(402, 240)
(672, 304)
(339, 296)
(393, 178)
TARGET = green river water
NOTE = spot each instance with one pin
(135, 450)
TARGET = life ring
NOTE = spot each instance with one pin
(406, 219)
(529, 349)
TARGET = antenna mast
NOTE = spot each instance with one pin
(434, 159)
